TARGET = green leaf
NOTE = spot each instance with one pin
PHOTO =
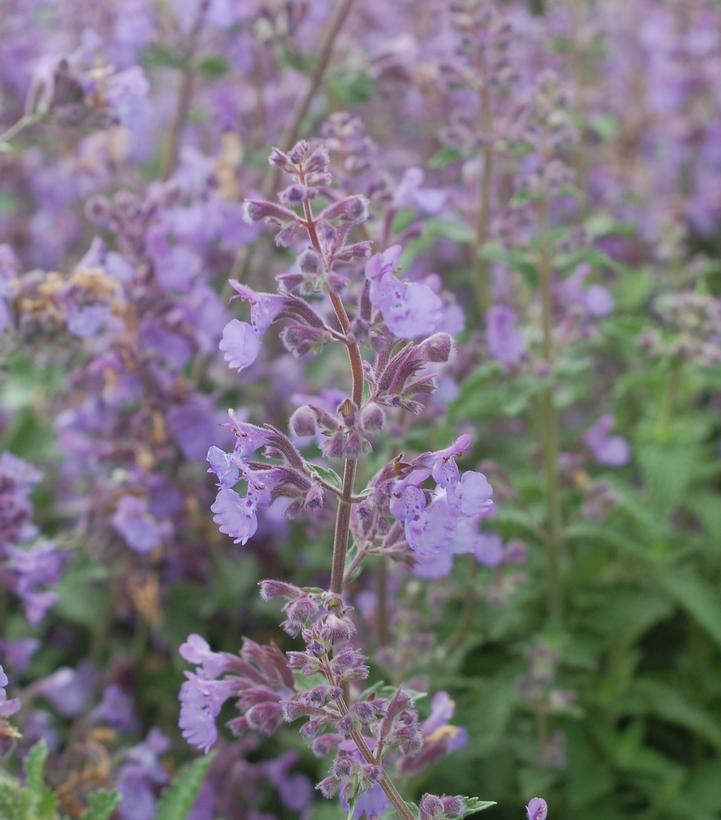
(157, 56)
(446, 156)
(697, 596)
(44, 801)
(34, 766)
(671, 704)
(15, 802)
(667, 471)
(213, 65)
(604, 125)
(603, 535)
(473, 804)
(101, 805)
(328, 475)
(177, 799)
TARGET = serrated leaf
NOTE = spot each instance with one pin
(473, 805)
(34, 766)
(446, 156)
(101, 805)
(177, 799)
(213, 65)
(328, 475)
(667, 471)
(675, 706)
(697, 596)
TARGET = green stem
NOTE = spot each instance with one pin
(24, 122)
(483, 213)
(549, 418)
(670, 397)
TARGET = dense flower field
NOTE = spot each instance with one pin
(360, 409)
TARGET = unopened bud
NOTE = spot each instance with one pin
(372, 417)
(437, 348)
(303, 422)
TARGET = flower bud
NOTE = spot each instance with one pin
(278, 589)
(298, 151)
(265, 717)
(343, 766)
(303, 422)
(313, 498)
(310, 262)
(256, 209)
(431, 806)
(318, 161)
(353, 209)
(295, 195)
(437, 348)
(453, 805)
(372, 417)
(328, 787)
(278, 158)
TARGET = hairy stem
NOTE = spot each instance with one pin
(382, 594)
(292, 131)
(549, 418)
(185, 93)
(244, 256)
(342, 521)
(480, 267)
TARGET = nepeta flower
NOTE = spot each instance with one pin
(240, 344)
(8, 707)
(409, 309)
(611, 451)
(505, 342)
(136, 524)
(235, 515)
(537, 809)
(201, 700)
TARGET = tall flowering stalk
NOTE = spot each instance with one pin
(397, 516)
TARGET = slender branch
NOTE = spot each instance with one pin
(24, 122)
(185, 94)
(483, 212)
(244, 256)
(382, 608)
(290, 135)
(343, 514)
(549, 418)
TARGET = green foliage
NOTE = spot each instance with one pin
(101, 805)
(177, 799)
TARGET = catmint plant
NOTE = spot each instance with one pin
(415, 509)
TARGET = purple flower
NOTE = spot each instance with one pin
(194, 425)
(443, 462)
(200, 703)
(196, 650)
(431, 530)
(7, 707)
(134, 522)
(409, 194)
(235, 516)
(472, 495)
(598, 300)
(140, 775)
(611, 451)
(240, 344)
(409, 309)
(115, 709)
(505, 342)
(537, 809)
(489, 549)
(69, 690)
(225, 466)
